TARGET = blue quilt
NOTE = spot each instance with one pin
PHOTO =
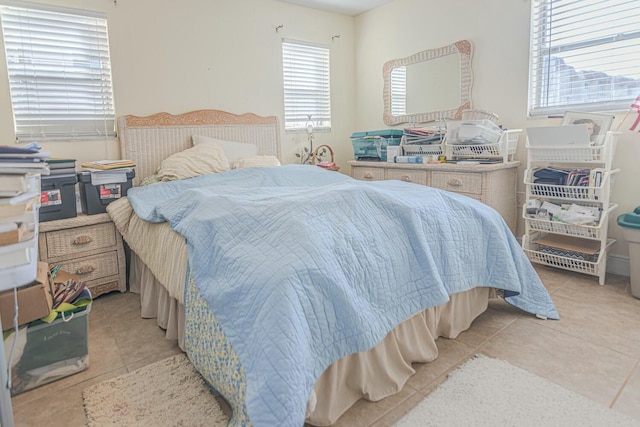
(302, 266)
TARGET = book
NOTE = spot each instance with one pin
(108, 164)
(43, 170)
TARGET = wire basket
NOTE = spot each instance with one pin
(505, 148)
(316, 155)
(473, 114)
(418, 145)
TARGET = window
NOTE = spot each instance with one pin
(585, 55)
(305, 69)
(59, 73)
(399, 91)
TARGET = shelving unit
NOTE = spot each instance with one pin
(551, 241)
(18, 265)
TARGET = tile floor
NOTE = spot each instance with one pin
(593, 350)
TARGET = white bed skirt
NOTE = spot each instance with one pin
(375, 374)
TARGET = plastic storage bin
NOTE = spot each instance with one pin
(372, 145)
(95, 198)
(58, 197)
(53, 350)
(630, 223)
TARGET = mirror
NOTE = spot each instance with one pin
(428, 85)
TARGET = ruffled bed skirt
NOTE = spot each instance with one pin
(375, 374)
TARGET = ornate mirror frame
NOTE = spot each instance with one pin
(464, 49)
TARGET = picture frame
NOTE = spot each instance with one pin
(598, 124)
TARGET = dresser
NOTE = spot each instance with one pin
(492, 184)
(88, 246)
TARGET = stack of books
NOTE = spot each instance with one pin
(108, 165)
(30, 158)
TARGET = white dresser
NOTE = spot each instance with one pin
(492, 184)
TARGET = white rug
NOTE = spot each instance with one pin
(491, 392)
(165, 393)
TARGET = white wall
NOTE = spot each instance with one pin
(178, 56)
(499, 32)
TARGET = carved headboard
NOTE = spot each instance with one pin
(149, 140)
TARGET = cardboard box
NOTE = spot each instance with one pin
(34, 300)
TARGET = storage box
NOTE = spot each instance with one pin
(34, 300)
(53, 350)
(372, 145)
(58, 197)
(95, 198)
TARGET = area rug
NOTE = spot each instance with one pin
(492, 392)
(165, 393)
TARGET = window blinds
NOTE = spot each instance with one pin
(59, 74)
(305, 68)
(585, 55)
(399, 91)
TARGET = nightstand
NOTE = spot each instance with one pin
(88, 246)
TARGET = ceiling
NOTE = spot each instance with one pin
(345, 7)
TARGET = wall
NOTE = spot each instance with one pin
(499, 32)
(223, 54)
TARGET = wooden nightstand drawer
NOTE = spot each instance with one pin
(417, 177)
(93, 267)
(368, 174)
(457, 182)
(80, 240)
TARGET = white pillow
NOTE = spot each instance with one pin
(199, 160)
(232, 150)
(255, 162)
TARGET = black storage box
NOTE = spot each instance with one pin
(95, 198)
(58, 197)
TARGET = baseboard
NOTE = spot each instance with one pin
(618, 264)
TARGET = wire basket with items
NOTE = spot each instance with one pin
(427, 141)
(480, 139)
(319, 155)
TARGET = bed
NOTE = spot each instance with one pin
(272, 326)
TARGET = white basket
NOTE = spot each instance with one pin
(556, 227)
(568, 192)
(20, 263)
(602, 154)
(415, 145)
(594, 268)
(505, 148)
(479, 115)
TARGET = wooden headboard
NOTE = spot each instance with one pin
(149, 140)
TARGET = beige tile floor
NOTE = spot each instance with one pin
(593, 350)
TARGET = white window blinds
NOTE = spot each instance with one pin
(305, 69)
(399, 91)
(585, 55)
(59, 73)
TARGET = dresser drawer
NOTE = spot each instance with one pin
(92, 267)
(368, 174)
(80, 240)
(457, 182)
(417, 177)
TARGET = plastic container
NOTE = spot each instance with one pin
(630, 223)
(95, 198)
(58, 197)
(372, 145)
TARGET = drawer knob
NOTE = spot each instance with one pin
(455, 182)
(82, 240)
(85, 270)
(368, 175)
(406, 178)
